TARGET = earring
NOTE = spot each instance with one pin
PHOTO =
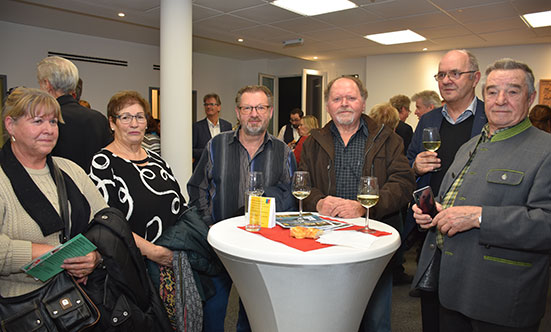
(13, 138)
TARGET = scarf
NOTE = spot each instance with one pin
(35, 202)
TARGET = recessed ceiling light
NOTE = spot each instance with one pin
(240, 40)
(121, 14)
(314, 7)
(315, 58)
(396, 37)
(538, 20)
(425, 49)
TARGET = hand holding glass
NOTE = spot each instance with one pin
(254, 187)
(431, 140)
(301, 189)
(368, 196)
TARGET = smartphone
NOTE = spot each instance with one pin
(424, 198)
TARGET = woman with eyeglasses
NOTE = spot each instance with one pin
(139, 182)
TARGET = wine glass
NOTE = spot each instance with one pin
(368, 196)
(254, 187)
(431, 141)
(301, 189)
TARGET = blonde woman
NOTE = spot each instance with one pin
(308, 122)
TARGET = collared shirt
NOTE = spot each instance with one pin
(213, 128)
(349, 160)
(246, 164)
(463, 116)
(217, 186)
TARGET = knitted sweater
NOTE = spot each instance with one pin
(18, 231)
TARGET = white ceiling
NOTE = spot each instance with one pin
(218, 23)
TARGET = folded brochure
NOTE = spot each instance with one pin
(49, 264)
(310, 220)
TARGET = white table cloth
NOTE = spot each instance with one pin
(285, 289)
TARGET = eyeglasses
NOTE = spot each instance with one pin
(127, 118)
(452, 74)
(210, 104)
(259, 108)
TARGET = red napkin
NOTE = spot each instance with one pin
(280, 234)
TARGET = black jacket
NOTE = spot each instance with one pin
(84, 132)
(121, 287)
(189, 234)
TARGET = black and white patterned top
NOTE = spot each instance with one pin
(148, 195)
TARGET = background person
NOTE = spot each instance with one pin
(139, 183)
(308, 122)
(83, 132)
(289, 132)
(386, 114)
(425, 101)
(540, 116)
(30, 221)
(209, 127)
(152, 138)
(402, 103)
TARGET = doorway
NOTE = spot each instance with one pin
(290, 97)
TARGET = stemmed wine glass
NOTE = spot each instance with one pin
(431, 141)
(301, 189)
(254, 187)
(368, 196)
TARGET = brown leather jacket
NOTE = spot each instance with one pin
(384, 158)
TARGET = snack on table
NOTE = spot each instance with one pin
(305, 232)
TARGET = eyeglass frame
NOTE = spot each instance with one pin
(210, 104)
(243, 110)
(455, 72)
(132, 118)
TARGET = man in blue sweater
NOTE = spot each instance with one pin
(461, 118)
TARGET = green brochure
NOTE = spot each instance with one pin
(48, 265)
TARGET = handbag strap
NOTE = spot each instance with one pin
(63, 202)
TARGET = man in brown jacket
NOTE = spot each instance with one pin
(348, 147)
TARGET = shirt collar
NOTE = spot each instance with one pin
(212, 125)
(505, 133)
(470, 110)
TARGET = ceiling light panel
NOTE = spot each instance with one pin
(538, 20)
(314, 7)
(396, 37)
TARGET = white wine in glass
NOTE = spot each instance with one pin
(431, 141)
(368, 196)
(301, 189)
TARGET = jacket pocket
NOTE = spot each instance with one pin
(505, 176)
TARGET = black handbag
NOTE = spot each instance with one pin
(60, 305)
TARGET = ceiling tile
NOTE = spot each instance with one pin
(331, 35)
(505, 24)
(226, 22)
(347, 17)
(302, 24)
(398, 9)
(227, 6)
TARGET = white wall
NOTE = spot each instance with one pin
(384, 75)
(25, 46)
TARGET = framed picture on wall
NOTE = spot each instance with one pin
(545, 92)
